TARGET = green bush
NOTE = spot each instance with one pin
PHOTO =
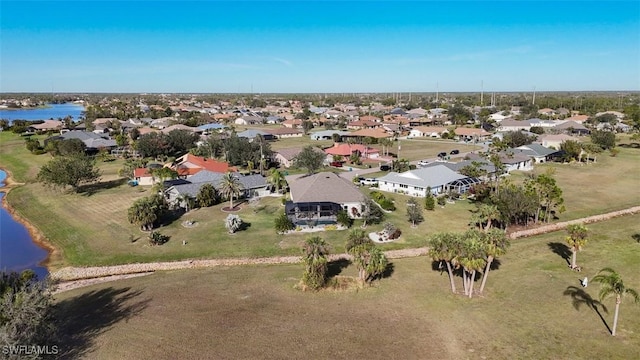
(387, 204)
(283, 223)
(442, 200)
(430, 203)
(343, 218)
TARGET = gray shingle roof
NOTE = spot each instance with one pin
(324, 187)
(248, 182)
(433, 176)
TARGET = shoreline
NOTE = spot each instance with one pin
(36, 235)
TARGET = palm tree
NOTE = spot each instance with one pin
(443, 247)
(230, 186)
(577, 239)
(485, 214)
(187, 201)
(277, 179)
(315, 251)
(471, 259)
(496, 243)
(612, 285)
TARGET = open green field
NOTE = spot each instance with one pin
(255, 312)
(612, 183)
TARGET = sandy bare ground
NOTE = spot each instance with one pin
(76, 277)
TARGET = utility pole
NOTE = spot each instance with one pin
(534, 95)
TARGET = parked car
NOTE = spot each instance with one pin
(368, 181)
(385, 167)
(422, 163)
(455, 152)
(336, 163)
(442, 154)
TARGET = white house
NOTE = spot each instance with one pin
(415, 182)
(427, 131)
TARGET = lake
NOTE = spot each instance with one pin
(54, 111)
(17, 250)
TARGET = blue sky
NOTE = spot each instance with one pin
(324, 46)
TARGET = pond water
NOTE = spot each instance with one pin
(18, 252)
(53, 111)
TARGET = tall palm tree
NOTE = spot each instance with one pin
(277, 179)
(230, 186)
(315, 251)
(485, 214)
(472, 259)
(496, 243)
(577, 239)
(444, 247)
(611, 285)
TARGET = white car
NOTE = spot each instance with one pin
(423, 163)
(369, 181)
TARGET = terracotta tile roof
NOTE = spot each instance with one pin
(141, 172)
(204, 163)
(348, 149)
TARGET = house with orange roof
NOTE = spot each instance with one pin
(370, 118)
(578, 118)
(347, 149)
(147, 130)
(189, 164)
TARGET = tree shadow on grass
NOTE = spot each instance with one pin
(335, 267)
(580, 297)
(90, 189)
(85, 317)
(636, 237)
(244, 226)
(561, 250)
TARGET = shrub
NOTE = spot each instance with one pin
(283, 223)
(387, 204)
(430, 203)
(343, 218)
(442, 200)
(233, 223)
(156, 238)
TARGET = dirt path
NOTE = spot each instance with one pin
(74, 277)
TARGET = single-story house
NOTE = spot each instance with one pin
(317, 199)
(292, 123)
(206, 128)
(483, 165)
(91, 140)
(555, 140)
(427, 131)
(327, 134)
(347, 149)
(169, 129)
(510, 160)
(415, 182)
(572, 127)
(249, 120)
(284, 132)
(47, 125)
(470, 134)
(539, 153)
(189, 165)
(252, 133)
(143, 177)
(286, 156)
(252, 185)
(378, 133)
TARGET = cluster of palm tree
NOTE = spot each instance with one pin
(146, 211)
(369, 259)
(470, 252)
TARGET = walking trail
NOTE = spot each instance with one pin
(75, 277)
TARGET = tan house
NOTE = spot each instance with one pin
(47, 125)
(284, 132)
(470, 134)
(427, 131)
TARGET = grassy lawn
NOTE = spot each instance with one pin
(93, 229)
(418, 149)
(255, 312)
(610, 184)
